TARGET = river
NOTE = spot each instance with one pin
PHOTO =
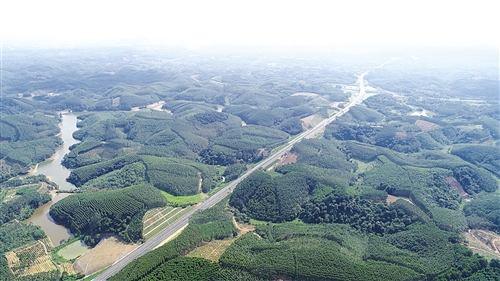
(53, 169)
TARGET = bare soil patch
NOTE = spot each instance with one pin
(426, 125)
(243, 228)
(262, 151)
(391, 199)
(307, 122)
(288, 159)
(116, 102)
(452, 181)
(200, 184)
(156, 105)
(306, 94)
(401, 134)
(47, 188)
(107, 252)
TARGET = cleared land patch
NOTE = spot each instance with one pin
(215, 248)
(288, 159)
(391, 199)
(456, 185)
(107, 252)
(310, 121)
(426, 125)
(482, 242)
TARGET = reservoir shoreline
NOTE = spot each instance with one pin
(57, 173)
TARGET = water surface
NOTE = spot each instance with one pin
(52, 167)
(41, 217)
(73, 250)
(57, 173)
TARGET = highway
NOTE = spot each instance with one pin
(173, 228)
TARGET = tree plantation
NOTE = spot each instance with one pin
(401, 184)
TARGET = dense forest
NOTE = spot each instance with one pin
(117, 211)
(396, 188)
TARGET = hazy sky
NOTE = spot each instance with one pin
(196, 23)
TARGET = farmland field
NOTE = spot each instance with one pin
(67, 267)
(31, 259)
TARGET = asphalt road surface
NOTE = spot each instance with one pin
(183, 221)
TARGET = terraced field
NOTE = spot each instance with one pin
(157, 219)
(31, 259)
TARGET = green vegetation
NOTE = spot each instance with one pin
(441, 168)
(80, 176)
(27, 137)
(174, 178)
(286, 119)
(364, 114)
(487, 157)
(180, 177)
(185, 269)
(213, 223)
(182, 200)
(24, 202)
(119, 211)
(483, 213)
(303, 252)
(131, 174)
(274, 199)
(248, 144)
(233, 171)
(21, 196)
(71, 160)
(14, 235)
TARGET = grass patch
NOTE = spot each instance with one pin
(57, 258)
(218, 188)
(221, 169)
(363, 167)
(353, 190)
(273, 174)
(271, 166)
(276, 149)
(182, 200)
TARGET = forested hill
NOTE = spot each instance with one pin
(403, 186)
